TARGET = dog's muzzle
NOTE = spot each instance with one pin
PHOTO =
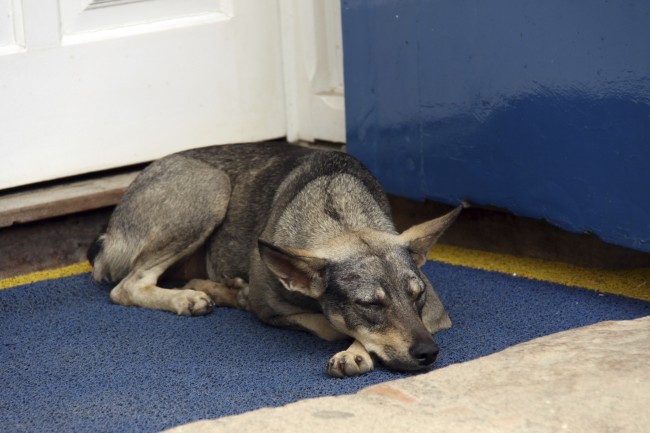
(420, 354)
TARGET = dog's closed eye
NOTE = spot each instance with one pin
(419, 300)
(418, 290)
(372, 305)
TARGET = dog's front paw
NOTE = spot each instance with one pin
(191, 303)
(347, 364)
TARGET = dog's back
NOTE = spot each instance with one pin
(292, 192)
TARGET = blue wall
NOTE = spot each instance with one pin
(538, 107)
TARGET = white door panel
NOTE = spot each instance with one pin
(313, 65)
(115, 89)
(79, 16)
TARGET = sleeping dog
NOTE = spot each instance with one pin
(301, 238)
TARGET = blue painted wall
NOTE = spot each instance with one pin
(539, 107)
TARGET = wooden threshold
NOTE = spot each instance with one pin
(63, 199)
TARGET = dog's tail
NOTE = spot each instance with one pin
(94, 256)
(111, 259)
(95, 248)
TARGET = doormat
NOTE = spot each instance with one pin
(70, 360)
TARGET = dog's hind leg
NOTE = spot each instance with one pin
(139, 288)
(166, 214)
(228, 292)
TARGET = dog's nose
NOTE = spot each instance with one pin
(424, 351)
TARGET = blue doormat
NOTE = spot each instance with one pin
(72, 361)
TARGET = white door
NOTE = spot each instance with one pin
(87, 85)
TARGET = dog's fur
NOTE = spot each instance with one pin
(302, 238)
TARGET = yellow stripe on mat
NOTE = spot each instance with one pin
(633, 283)
(77, 268)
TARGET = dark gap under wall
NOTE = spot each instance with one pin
(60, 241)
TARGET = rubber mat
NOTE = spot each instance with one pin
(72, 361)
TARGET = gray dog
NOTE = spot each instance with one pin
(305, 238)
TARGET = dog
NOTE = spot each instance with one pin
(302, 238)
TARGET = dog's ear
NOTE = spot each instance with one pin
(297, 270)
(420, 238)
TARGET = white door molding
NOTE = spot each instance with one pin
(313, 69)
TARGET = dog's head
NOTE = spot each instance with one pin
(370, 287)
